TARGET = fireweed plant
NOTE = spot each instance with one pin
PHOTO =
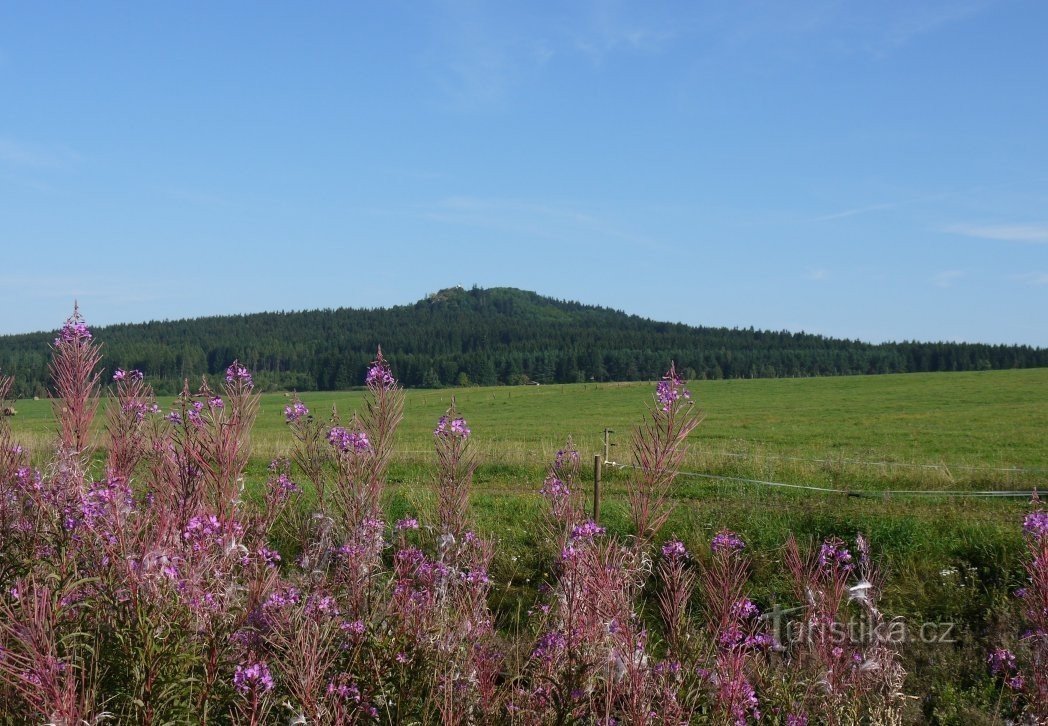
(1023, 673)
(145, 585)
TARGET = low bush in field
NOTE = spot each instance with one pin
(153, 591)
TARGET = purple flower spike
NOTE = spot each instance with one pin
(1002, 662)
(587, 530)
(452, 427)
(237, 373)
(379, 376)
(727, 541)
(674, 550)
(670, 390)
(744, 608)
(75, 330)
(349, 441)
(295, 412)
(834, 553)
(253, 677)
(1036, 525)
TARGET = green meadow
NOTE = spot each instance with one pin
(990, 419)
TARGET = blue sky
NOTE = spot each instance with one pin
(863, 170)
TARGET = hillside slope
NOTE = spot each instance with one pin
(486, 336)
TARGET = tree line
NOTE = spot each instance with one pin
(486, 337)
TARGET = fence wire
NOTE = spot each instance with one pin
(865, 494)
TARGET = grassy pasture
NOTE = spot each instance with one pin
(982, 419)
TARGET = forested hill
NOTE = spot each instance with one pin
(485, 336)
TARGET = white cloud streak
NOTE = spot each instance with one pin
(19, 153)
(946, 278)
(1032, 278)
(1029, 233)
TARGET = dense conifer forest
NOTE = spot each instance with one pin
(486, 337)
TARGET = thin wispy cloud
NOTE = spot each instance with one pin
(1030, 233)
(608, 30)
(1032, 278)
(921, 19)
(856, 211)
(19, 153)
(480, 58)
(528, 218)
(946, 278)
(471, 57)
(818, 274)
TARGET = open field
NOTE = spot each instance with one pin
(993, 419)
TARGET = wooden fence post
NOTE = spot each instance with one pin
(596, 486)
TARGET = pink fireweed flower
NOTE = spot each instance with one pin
(566, 457)
(554, 488)
(73, 331)
(477, 577)
(674, 550)
(193, 414)
(204, 532)
(670, 390)
(295, 412)
(282, 486)
(216, 402)
(406, 523)
(744, 609)
(343, 691)
(1036, 525)
(24, 475)
(253, 677)
(449, 427)
(833, 552)
(270, 557)
(1002, 662)
(282, 598)
(344, 440)
(321, 606)
(120, 374)
(549, 646)
(379, 375)
(137, 408)
(727, 541)
(354, 627)
(586, 530)
(238, 373)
